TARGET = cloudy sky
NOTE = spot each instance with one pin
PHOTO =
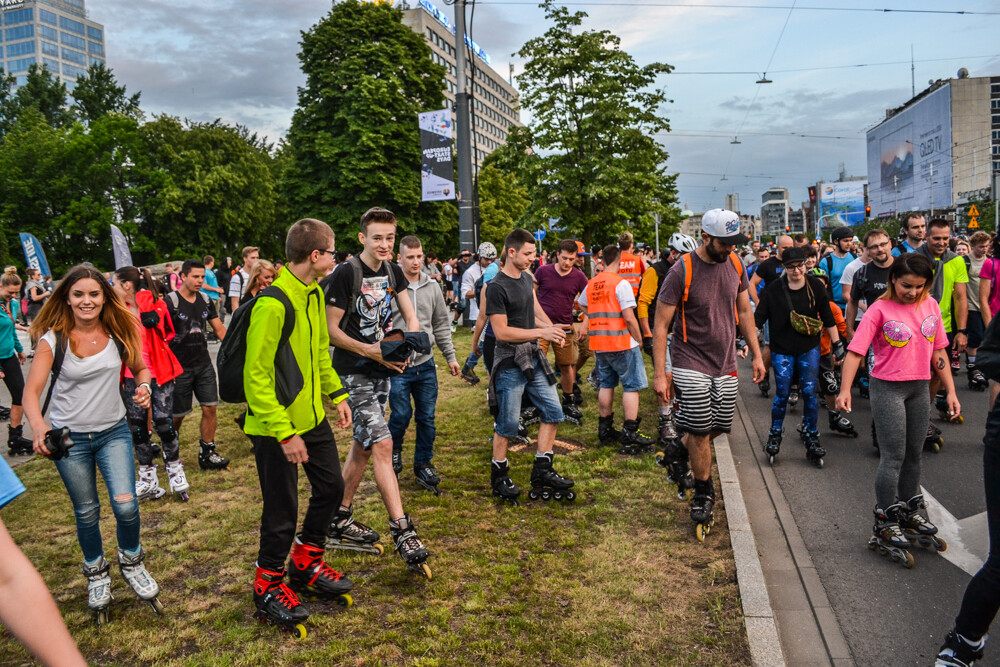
(238, 61)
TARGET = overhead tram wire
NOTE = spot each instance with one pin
(829, 67)
(682, 5)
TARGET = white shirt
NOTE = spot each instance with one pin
(469, 278)
(86, 397)
(238, 283)
(626, 299)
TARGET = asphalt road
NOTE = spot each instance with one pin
(889, 615)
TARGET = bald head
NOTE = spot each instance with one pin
(782, 243)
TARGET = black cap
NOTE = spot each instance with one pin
(841, 233)
(793, 254)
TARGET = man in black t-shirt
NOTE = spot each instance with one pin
(767, 272)
(518, 367)
(192, 313)
(872, 280)
(358, 316)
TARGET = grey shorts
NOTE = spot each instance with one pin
(368, 397)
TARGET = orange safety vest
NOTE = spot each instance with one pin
(608, 332)
(630, 268)
(685, 262)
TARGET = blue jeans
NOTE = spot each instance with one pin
(806, 366)
(421, 383)
(626, 367)
(111, 451)
(511, 386)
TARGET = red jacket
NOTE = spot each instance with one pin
(155, 352)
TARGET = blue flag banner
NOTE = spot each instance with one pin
(123, 256)
(33, 254)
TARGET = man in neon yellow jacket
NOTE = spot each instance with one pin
(287, 433)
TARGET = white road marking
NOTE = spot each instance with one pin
(968, 538)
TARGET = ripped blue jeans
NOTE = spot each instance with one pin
(805, 367)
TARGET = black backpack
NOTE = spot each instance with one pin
(233, 353)
(356, 269)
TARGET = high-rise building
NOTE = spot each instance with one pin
(494, 100)
(55, 34)
(774, 209)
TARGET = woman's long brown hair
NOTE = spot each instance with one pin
(118, 320)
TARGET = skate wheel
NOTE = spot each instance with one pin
(907, 561)
(557, 495)
(701, 531)
(156, 605)
(102, 618)
(533, 494)
(378, 548)
(660, 460)
(872, 544)
(546, 495)
(819, 463)
(770, 459)
(299, 631)
(570, 495)
(345, 600)
(425, 570)
(941, 545)
(184, 497)
(934, 446)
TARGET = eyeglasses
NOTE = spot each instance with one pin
(794, 267)
(326, 252)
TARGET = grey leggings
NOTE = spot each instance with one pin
(901, 411)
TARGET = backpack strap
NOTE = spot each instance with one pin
(58, 355)
(172, 298)
(685, 261)
(289, 325)
(829, 265)
(738, 265)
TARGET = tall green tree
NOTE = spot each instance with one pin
(98, 94)
(503, 203)
(595, 163)
(354, 141)
(42, 91)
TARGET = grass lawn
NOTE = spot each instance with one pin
(615, 578)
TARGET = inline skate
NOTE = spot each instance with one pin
(916, 528)
(607, 434)
(863, 385)
(793, 397)
(571, 413)
(139, 579)
(408, 545)
(957, 651)
(888, 538)
(773, 444)
(841, 424)
(503, 487)
(701, 508)
(397, 461)
(427, 477)
(814, 452)
(470, 376)
(955, 357)
(350, 535)
(99, 588)
(4, 413)
(312, 579)
(634, 441)
(277, 604)
(933, 441)
(148, 487)
(577, 394)
(209, 459)
(177, 479)
(977, 381)
(17, 444)
(546, 483)
(531, 415)
(675, 457)
(765, 385)
(667, 431)
(941, 403)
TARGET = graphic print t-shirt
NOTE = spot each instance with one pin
(903, 337)
(373, 318)
(190, 319)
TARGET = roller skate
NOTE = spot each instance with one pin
(594, 380)
(4, 413)
(350, 535)
(571, 413)
(531, 415)
(941, 403)
(793, 397)
(814, 452)
(955, 357)
(427, 477)
(546, 483)
(277, 604)
(773, 444)
(503, 487)
(312, 579)
(933, 441)
(888, 538)
(977, 381)
(209, 459)
(633, 440)
(410, 548)
(701, 508)
(99, 589)
(17, 444)
(522, 434)
(139, 579)
(397, 461)
(470, 376)
(607, 434)
(667, 432)
(676, 461)
(765, 385)
(148, 487)
(957, 651)
(177, 478)
(916, 528)
(863, 386)
(841, 424)
(577, 394)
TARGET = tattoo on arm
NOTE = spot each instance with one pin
(940, 363)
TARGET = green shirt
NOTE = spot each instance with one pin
(954, 272)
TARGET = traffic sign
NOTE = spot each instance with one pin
(973, 212)
(973, 223)
(539, 234)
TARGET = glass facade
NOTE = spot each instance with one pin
(74, 57)
(20, 32)
(73, 72)
(48, 33)
(69, 44)
(50, 49)
(19, 16)
(72, 40)
(20, 49)
(22, 65)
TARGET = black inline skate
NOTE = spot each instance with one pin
(312, 579)
(701, 508)
(571, 413)
(408, 545)
(633, 440)
(209, 459)
(667, 432)
(941, 403)
(773, 444)
(522, 437)
(277, 604)
(99, 588)
(675, 457)
(841, 424)
(546, 483)
(470, 376)
(503, 487)
(916, 528)
(957, 651)
(888, 538)
(4, 413)
(765, 385)
(427, 477)
(17, 444)
(350, 535)
(397, 461)
(607, 434)
(577, 394)
(531, 415)
(933, 441)
(977, 381)
(793, 397)
(814, 452)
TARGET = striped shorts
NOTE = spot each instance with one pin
(707, 404)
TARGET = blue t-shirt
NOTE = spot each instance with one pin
(834, 266)
(896, 252)
(211, 280)
(10, 485)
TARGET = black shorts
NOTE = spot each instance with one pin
(13, 378)
(975, 327)
(201, 383)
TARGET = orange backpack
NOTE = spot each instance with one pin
(737, 264)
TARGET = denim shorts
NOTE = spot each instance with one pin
(511, 384)
(625, 367)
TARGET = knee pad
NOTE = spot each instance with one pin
(675, 451)
(139, 433)
(829, 383)
(165, 429)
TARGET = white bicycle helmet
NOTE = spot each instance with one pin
(487, 250)
(682, 243)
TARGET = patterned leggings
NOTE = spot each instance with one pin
(162, 401)
(806, 367)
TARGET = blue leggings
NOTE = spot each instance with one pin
(806, 367)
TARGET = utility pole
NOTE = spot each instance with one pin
(466, 202)
(932, 189)
(895, 188)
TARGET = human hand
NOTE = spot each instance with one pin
(295, 448)
(844, 400)
(344, 411)
(454, 367)
(554, 334)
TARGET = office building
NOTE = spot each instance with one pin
(55, 34)
(774, 208)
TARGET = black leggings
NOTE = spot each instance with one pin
(13, 378)
(982, 597)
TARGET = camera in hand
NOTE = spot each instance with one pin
(58, 442)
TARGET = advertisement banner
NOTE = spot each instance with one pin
(909, 157)
(123, 256)
(33, 254)
(437, 173)
(841, 204)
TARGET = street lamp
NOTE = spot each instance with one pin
(763, 79)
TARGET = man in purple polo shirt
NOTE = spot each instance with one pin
(558, 285)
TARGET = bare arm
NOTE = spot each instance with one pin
(632, 324)
(845, 293)
(515, 335)
(477, 331)
(218, 327)
(984, 300)
(754, 282)
(851, 316)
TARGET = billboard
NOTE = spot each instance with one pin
(909, 157)
(437, 173)
(841, 204)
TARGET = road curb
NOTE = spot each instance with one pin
(758, 616)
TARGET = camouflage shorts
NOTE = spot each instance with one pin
(367, 397)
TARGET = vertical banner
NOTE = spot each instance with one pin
(33, 254)
(123, 256)
(437, 173)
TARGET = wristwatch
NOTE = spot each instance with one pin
(964, 332)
